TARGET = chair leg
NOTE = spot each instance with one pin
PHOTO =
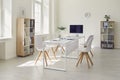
(45, 57)
(38, 57)
(86, 54)
(90, 60)
(54, 52)
(63, 50)
(56, 48)
(80, 58)
(46, 53)
(91, 53)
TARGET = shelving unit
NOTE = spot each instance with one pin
(25, 36)
(107, 34)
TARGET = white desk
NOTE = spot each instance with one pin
(69, 44)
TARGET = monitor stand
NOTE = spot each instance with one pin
(77, 35)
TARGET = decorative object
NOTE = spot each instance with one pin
(61, 28)
(87, 15)
(22, 12)
(107, 17)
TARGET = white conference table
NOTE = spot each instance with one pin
(70, 45)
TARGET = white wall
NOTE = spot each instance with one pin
(6, 26)
(17, 6)
(2, 50)
(8, 47)
(73, 12)
(68, 12)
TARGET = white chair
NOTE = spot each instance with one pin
(85, 51)
(87, 42)
(39, 45)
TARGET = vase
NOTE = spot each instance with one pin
(59, 36)
(107, 19)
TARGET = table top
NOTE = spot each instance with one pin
(59, 41)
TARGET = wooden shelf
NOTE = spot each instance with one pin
(25, 36)
(107, 34)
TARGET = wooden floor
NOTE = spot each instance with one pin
(106, 67)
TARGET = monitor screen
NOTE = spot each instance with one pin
(76, 28)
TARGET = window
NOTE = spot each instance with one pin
(38, 18)
(46, 16)
(5, 19)
(0, 17)
(41, 17)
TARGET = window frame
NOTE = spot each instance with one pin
(40, 3)
(42, 17)
(0, 18)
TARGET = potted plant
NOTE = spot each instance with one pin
(61, 28)
(107, 17)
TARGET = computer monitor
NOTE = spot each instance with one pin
(76, 29)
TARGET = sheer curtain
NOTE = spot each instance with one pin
(5, 19)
